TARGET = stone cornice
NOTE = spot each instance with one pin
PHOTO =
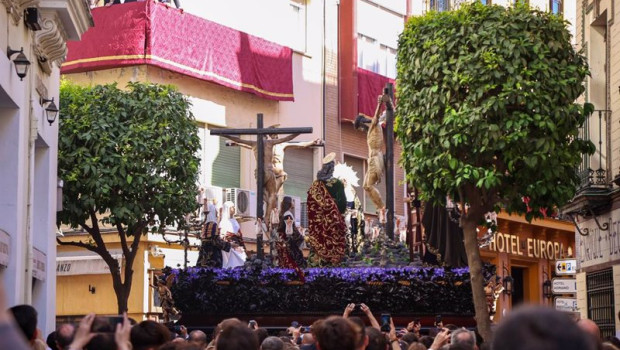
(16, 8)
(50, 41)
(74, 15)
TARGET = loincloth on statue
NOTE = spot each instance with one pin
(376, 164)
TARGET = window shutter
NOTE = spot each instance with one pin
(226, 166)
(298, 166)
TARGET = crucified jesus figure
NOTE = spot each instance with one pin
(376, 161)
(273, 164)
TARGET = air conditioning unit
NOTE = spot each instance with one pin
(244, 200)
(296, 205)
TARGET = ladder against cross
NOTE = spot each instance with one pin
(260, 133)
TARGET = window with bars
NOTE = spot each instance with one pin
(555, 7)
(601, 310)
(439, 5)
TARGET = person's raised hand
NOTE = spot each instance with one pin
(441, 339)
(410, 326)
(122, 333)
(348, 309)
(83, 334)
(365, 308)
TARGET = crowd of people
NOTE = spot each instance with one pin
(526, 328)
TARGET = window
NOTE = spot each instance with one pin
(225, 167)
(298, 16)
(359, 165)
(367, 56)
(600, 286)
(388, 61)
(439, 5)
(298, 166)
(555, 6)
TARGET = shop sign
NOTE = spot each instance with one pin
(38, 264)
(566, 304)
(599, 246)
(530, 247)
(564, 285)
(566, 267)
(83, 265)
(5, 243)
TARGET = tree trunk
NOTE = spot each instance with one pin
(122, 294)
(477, 279)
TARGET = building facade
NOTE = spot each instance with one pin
(596, 207)
(39, 30)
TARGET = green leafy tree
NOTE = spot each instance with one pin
(487, 115)
(127, 158)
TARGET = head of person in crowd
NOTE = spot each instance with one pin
(464, 337)
(376, 339)
(272, 343)
(410, 338)
(26, 318)
(234, 335)
(199, 338)
(262, 334)
(609, 346)
(51, 341)
(148, 335)
(613, 340)
(64, 336)
(307, 339)
(590, 327)
(416, 346)
(334, 333)
(540, 328)
(426, 340)
(180, 345)
(361, 339)
(102, 341)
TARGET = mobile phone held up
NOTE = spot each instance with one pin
(438, 320)
(252, 324)
(106, 324)
(385, 322)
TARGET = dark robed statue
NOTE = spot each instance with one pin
(326, 226)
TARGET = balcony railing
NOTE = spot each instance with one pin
(594, 169)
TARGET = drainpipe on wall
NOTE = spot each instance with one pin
(32, 136)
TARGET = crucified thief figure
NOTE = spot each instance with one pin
(376, 146)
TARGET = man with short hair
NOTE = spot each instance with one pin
(540, 328)
(26, 317)
(272, 343)
(334, 333)
(235, 335)
(149, 335)
(199, 338)
(64, 336)
(464, 337)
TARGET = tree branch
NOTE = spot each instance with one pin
(80, 244)
(122, 235)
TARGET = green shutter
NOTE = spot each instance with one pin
(226, 167)
(298, 166)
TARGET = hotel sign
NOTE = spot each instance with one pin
(564, 286)
(530, 247)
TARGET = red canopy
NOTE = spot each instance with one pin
(369, 86)
(153, 33)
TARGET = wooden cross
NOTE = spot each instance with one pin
(260, 133)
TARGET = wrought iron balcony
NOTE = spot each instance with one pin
(594, 170)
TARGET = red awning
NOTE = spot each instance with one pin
(153, 33)
(369, 86)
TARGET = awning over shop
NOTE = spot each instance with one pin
(369, 86)
(83, 265)
(152, 33)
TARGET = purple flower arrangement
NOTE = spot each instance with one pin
(407, 290)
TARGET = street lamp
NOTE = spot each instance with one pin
(507, 281)
(547, 288)
(21, 62)
(51, 111)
